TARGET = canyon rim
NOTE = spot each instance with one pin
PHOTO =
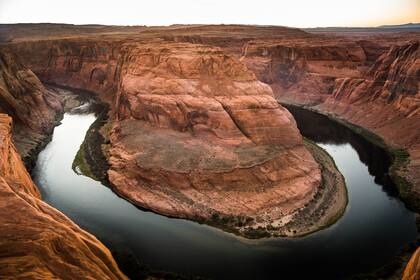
(196, 122)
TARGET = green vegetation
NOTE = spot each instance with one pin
(399, 158)
(90, 159)
(243, 225)
(80, 164)
(319, 153)
(233, 224)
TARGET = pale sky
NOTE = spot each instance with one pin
(297, 13)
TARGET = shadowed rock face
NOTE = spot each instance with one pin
(387, 101)
(23, 96)
(34, 108)
(367, 81)
(305, 70)
(198, 134)
(36, 240)
(194, 131)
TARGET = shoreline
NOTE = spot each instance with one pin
(399, 156)
(325, 208)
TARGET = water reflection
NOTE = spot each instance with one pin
(321, 129)
(373, 228)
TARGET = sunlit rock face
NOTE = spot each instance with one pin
(371, 82)
(194, 131)
(412, 270)
(197, 133)
(38, 241)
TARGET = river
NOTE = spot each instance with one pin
(375, 226)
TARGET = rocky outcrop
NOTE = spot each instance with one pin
(412, 270)
(304, 70)
(36, 240)
(86, 64)
(197, 135)
(34, 108)
(194, 134)
(361, 79)
(371, 84)
(387, 102)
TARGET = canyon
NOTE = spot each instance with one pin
(191, 133)
(195, 129)
(38, 241)
(360, 83)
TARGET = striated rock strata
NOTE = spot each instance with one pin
(373, 84)
(36, 240)
(198, 135)
(368, 79)
(387, 102)
(412, 270)
(34, 108)
(194, 133)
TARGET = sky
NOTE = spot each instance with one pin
(296, 13)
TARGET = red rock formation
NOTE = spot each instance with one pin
(339, 74)
(34, 108)
(196, 132)
(36, 240)
(371, 84)
(304, 70)
(207, 137)
(412, 270)
(387, 102)
(87, 64)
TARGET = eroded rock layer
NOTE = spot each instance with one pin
(371, 81)
(204, 136)
(194, 132)
(34, 108)
(387, 101)
(412, 270)
(36, 240)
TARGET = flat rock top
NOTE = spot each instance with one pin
(176, 151)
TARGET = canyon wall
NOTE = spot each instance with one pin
(36, 240)
(370, 83)
(387, 101)
(34, 108)
(198, 134)
(82, 63)
(194, 133)
(412, 270)
(370, 80)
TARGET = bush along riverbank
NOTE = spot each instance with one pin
(90, 159)
(323, 210)
(393, 178)
(399, 157)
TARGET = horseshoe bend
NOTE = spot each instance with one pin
(195, 123)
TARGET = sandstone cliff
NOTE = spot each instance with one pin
(194, 133)
(198, 134)
(36, 240)
(412, 270)
(363, 79)
(371, 83)
(34, 108)
(304, 70)
(387, 101)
